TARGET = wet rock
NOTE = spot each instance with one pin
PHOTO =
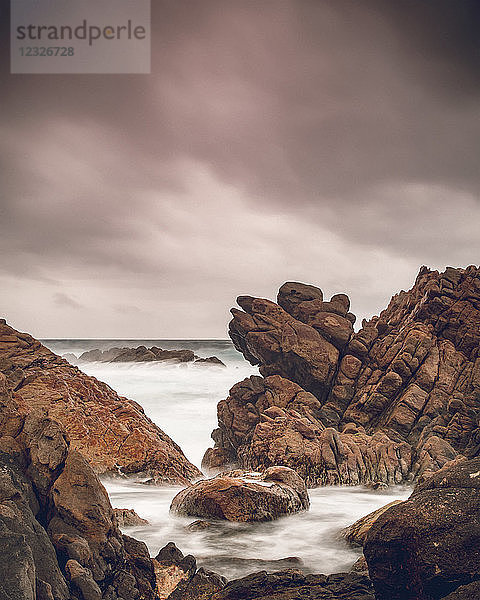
(292, 584)
(360, 566)
(58, 534)
(357, 532)
(393, 402)
(198, 525)
(243, 564)
(470, 591)
(127, 517)
(111, 432)
(82, 581)
(240, 496)
(178, 578)
(426, 547)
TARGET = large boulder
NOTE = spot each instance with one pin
(428, 546)
(240, 496)
(111, 432)
(393, 402)
(58, 534)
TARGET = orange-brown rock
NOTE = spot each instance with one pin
(356, 533)
(110, 431)
(58, 534)
(244, 497)
(393, 402)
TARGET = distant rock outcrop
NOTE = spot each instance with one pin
(111, 432)
(142, 354)
(243, 497)
(391, 403)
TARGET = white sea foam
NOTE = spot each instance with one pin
(182, 400)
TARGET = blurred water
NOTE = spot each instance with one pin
(182, 400)
(312, 536)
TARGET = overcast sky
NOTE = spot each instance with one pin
(327, 141)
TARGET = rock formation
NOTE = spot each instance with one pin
(393, 402)
(240, 496)
(179, 579)
(58, 534)
(127, 517)
(111, 432)
(427, 547)
(142, 354)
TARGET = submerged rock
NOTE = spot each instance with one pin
(112, 432)
(428, 546)
(211, 360)
(241, 496)
(391, 403)
(198, 525)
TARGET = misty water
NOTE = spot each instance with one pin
(182, 400)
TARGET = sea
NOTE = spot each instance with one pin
(182, 399)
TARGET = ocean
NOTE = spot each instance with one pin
(182, 399)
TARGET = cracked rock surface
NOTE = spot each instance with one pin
(393, 402)
(110, 431)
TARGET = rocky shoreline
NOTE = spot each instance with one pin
(398, 401)
(142, 354)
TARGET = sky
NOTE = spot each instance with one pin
(333, 142)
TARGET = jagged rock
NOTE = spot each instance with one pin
(141, 354)
(71, 358)
(360, 566)
(292, 584)
(127, 517)
(270, 337)
(240, 496)
(271, 421)
(470, 591)
(426, 547)
(58, 534)
(357, 532)
(178, 577)
(112, 432)
(393, 402)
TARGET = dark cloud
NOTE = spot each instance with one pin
(334, 141)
